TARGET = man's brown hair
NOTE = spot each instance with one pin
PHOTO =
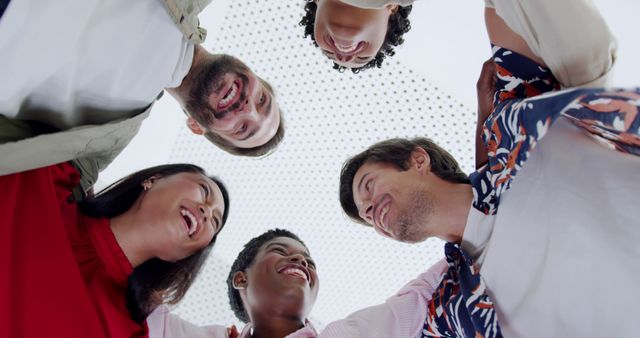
(396, 152)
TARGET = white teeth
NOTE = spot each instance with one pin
(194, 222)
(382, 214)
(346, 49)
(295, 272)
(232, 93)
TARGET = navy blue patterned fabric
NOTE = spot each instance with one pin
(460, 306)
(526, 103)
(3, 6)
(525, 106)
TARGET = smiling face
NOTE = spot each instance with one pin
(281, 281)
(398, 204)
(349, 35)
(228, 99)
(181, 213)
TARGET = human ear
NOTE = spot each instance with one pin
(148, 183)
(239, 280)
(392, 8)
(420, 160)
(194, 126)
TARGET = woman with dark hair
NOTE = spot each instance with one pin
(97, 268)
(356, 34)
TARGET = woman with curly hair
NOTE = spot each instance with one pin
(356, 34)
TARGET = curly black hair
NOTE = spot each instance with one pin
(245, 259)
(398, 25)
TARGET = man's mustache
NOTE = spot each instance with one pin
(221, 114)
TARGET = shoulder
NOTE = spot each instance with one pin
(162, 323)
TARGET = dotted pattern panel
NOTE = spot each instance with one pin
(329, 116)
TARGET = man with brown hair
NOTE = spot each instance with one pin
(539, 258)
(542, 256)
(103, 70)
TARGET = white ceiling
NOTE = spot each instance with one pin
(427, 89)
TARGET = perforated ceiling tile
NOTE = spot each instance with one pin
(329, 117)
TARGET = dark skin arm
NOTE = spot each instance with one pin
(485, 88)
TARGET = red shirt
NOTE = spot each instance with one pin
(61, 274)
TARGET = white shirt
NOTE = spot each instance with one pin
(70, 63)
(560, 257)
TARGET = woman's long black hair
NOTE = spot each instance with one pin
(155, 281)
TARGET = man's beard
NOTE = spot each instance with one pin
(209, 79)
(413, 220)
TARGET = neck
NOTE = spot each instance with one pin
(452, 212)
(279, 327)
(199, 54)
(127, 236)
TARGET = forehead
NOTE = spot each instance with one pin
(268, 126)
(286, 242)
(368, 171)
(370, 168)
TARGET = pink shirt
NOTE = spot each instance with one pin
(402, 315)
(164, 324)
(306, 332)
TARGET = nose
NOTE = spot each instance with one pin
(298, 258)
(206, 212)
(249, 109)
(343, 58)
(367, 214)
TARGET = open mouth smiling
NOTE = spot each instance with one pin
(380, 214)
(231, 96)
(345, 48)
(191, 222)
(296, 271)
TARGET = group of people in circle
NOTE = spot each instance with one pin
(79, 78)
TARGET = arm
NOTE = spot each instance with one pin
(163, 323)
(569, 36)
(402, 315)
(485, 88)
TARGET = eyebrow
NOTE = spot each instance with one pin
(217, 215)
(253, 132)
(305, 254)
(362, 180)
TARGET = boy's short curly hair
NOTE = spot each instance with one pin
(245, 259)
(398, 25)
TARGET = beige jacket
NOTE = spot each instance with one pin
(185, 15)
(30, 145)
(90, 147)
(569, 35)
